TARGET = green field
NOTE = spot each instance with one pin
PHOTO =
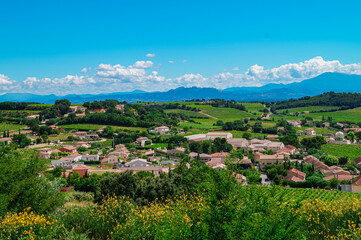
(10, 127)
(253, 106)
(342, 150)
(223, 113)
(309, 109)
(299, 194)
(352, 115)
(94, 127)
(191, 114)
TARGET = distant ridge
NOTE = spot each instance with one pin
(326, 82)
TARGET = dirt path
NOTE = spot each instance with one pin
(205, 114)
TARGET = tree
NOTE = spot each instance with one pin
(351, 136)
(247, 135)
(329, 160)
(313, 142)
(21, 140)
(23, 185)
(343, 160)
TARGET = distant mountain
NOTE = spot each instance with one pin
(326, 82)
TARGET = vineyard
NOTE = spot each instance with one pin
(300, 194)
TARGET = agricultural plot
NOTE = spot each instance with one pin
(309, 109)
(94, 127)
(253, 106)
(283, 194)
(352, 115)
(342, 150)
(10, 127)
(191, 114)
(224, 114)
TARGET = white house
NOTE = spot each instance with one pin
(213, 135)
(161, 130)
(339, 135)
(90, 157)
(138, 162)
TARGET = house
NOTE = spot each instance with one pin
(243, 163)
(161, 130)
(120, 147)
(44, 152)
(80, 134)
(356, 185)
(69, 149)
(272, 137)
(193, 155)
(219, 167)
(138, 162)
(326, 124)
(221, 155)
(156, 170)
(73, 158)
(214, 162)
(268, 159)
(80, 115)
(295, 123)
(66, 164)
(214, 135)
(120, 107)
(76, 108)
(352, 129)
(295, 175)
(289, 149)
(310, 132)
(90, 157)
(310, 159)
(341, 177)
(205, 157)
(36, 116)
(82, 144)
(257, 145)
(143, 141)
(275, 146)
(320, 166)
(238, 142)
(82, 170)
(339, 135)
(196, 137)
(176, 150)
(56, 128)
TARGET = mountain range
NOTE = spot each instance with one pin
(326, 82)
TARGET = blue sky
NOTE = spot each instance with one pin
(53, 39)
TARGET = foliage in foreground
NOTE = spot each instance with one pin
(243, 213)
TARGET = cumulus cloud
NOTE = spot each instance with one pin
(232, 69)
(141, 75)
(171, 61)
(143, 64)
(85, 70)
(150, 55)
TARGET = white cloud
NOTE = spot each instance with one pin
(184, 60)
(117, 78)
(150, 55)
(232, 69)
(170, 61)
(143, 64)
(85, 70)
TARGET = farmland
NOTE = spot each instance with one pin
(191, 114)
(11, 127)
(341, 150)
(309, 109)
(352, 115)
(94, 127)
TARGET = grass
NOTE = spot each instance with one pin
(342, 150)
(186, 112)
(253, 107)
(310, 109)
(351, 115)
(10, 127)
(94, 127)
(224, 114)
(157, 145)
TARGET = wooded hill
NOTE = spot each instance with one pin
(342, 100)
